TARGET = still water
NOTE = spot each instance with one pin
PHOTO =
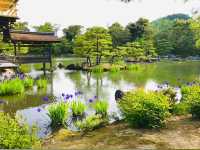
(104, 85)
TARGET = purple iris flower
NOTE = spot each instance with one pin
(71, 96)
(80, 93)
(46, 99)
(63, 94)
(90, 100)
(21, 76)
(66, 97)
(95, 97)
(39, 109)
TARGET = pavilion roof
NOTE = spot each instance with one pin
(33, 37)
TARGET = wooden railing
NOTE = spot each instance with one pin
(25, 59)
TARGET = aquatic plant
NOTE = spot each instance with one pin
(132, 67)
(16, 136)
(28, 82)
(144, 109)
(90, 123)
(115, 68)
(11, 87)
(58, 112)
(41, 83)
(97, 69)
(78, 108)
(101, 108)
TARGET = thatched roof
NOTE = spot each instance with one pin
(33, 37)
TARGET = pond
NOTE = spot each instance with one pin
(90, 84)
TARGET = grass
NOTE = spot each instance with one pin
(11, 87)
(78, 108)
(101, 108)
(90, 123)
(41, 83)
(132, 67)
(98, 69)
(114, 68)
(58, 113)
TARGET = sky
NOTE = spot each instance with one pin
(98, 12)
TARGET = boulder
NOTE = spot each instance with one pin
(118, 95)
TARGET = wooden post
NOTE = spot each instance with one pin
(15, 52)
(44, 68)
(50, 60)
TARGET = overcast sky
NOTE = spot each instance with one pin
(98, 12)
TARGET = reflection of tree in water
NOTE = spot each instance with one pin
(76, 77)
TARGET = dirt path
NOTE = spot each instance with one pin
(180, 133)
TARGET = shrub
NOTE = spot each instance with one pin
(195, 110)
(16, 136)
(78, 108)
(97, 69)
(101, 108)
(145, 109)
(171, 94)
(180, 109)
(11, 87)
(28, 82)
(41, 83)
(58, 113)
(90, 123)
(190, 93)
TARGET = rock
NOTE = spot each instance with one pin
(60, 65)
(74, 67)
(118, 95)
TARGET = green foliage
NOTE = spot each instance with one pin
(132, 67)
(171, 94)
(180, 109)
(46, 27)
(21, 26)
(114, 68)
(72, 31)
(145, 109)
(16, 136)
(140, 29)
(41, 83)
(58, 113)
(98, 69)
(28, 82)
(191, 96)
(95, 42)
(90, 123)
(101, 108)
(119, 35)
(11, 87)
(78, 108)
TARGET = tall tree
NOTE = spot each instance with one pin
(140, 29)
(96, 42)
(72, 31)
(22, 26)
(119, 35)
(46, 27)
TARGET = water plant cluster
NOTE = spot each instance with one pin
(19, 84)
(115, 67)
(72, 107)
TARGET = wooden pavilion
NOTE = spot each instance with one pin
(20, 39)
